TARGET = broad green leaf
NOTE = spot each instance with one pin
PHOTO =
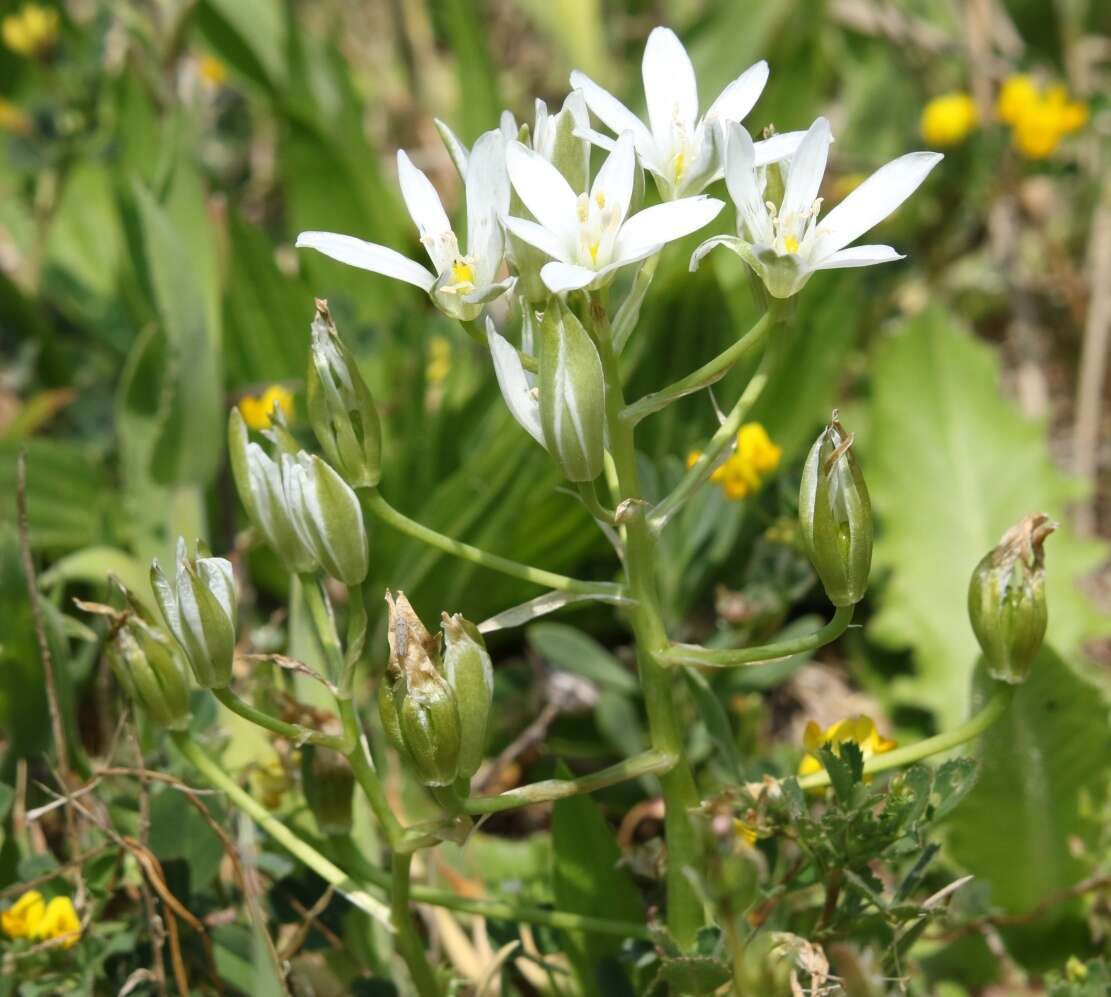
(574, 651)
(479, 103)
(1044, 769)
(251, 35)
(92, 565)
(950, 465)
(178, 831)
(577, 27)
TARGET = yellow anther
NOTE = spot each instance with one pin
(679, 164)
(582, 208)
(791, 244)
(600, 199)
(593, 250)
(462, 273)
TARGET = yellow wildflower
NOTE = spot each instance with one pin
(948, 119)
(256, 410)
(1038, 120)
(439, 360)
(745, 831)
(59, 920)
(212, 71)
(860, 730)
(23, 917)
(1017, 95)
(31, 31)
(754, 457)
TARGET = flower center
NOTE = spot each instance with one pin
(598, 225)
(462, 276)
(791, 244)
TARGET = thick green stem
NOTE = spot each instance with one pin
(365, 774)
(684, 908)
(709, 373)
(296, 733)
(692, 654)
(589, 496)
(408, 941)
(973, 727)
(376, 504)
(646, 763)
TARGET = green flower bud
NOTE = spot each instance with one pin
(259, 482)
(470, 673)
(147, 665)
(325, 513)
(1006, 600)
(329, 786)
(836, 516)
(389, 694)
(341, 408)
(572, 394)
(199, 607)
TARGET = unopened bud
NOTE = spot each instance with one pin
(470, 673)
(1006, 600)
(148, 666)
(199, 607)
(341, 408)
(329, 786)
(325, 513)
(836, 516)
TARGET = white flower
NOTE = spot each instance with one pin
(784, 245)
(559, 138)
(460, 284)
(682, 150)
(588, 235)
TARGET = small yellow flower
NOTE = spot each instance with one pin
(1038, 120)
(1017, 95)
(948, 119)
(23, 917)
(754, 457)
(860, 730)
(212, 70)
(59, 920)
(31, 31)
(256, 410)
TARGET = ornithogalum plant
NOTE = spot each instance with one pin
(547, 242)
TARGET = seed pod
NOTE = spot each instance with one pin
(329, 786)
(470, 674)
(836, 516)
(147, 665)
(341, 409)
(199, 607)
(1006, 600)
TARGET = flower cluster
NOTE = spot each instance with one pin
(755, 457)
(1039, 117)
(861, 730)
(34, 917)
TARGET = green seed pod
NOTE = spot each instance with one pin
(329, 786)
(199, 607)
(470, 673)
(836, 516)
(341, 409)
(1006, 600)
(148, 667)
(390, 692)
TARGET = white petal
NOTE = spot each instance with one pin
(562, 277)
(543, 190)
(507, 125)
(536, 235)
(808, 166)
(772, 150)
(662, 223)
(670, 89)
(738, 98)
(873, 200)
(859, 256)
(425, 209)
(615, 179)
(514, 383)
(613, 114)
(483, 294)
(487, 190)
(740, 180)
(367, 256)
(704, 248)
(595, 138)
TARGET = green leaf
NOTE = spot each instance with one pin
(696, 974)
(717, 723)
(840, 773)
(951, 465)
(574, 651)
(93, 565)
(250, 34)
(1044, 772)
(479, 101)
(178, 831)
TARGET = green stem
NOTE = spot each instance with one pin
(365, 774)
(408, 941)
(589, 496)
(692, 654)
(375, 503)
(325, 625)
(296, 733)
(684, 908)
(973, 727)
(707, 374)
(646, 763)
(699, 473)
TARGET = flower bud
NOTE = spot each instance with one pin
(259, 483)
(329, 786)
(572, 394)
(325, 513)
(199, 607)
(341, 408)
(1006, 600)
(148, 667)
(836, 516)
(470, 674)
